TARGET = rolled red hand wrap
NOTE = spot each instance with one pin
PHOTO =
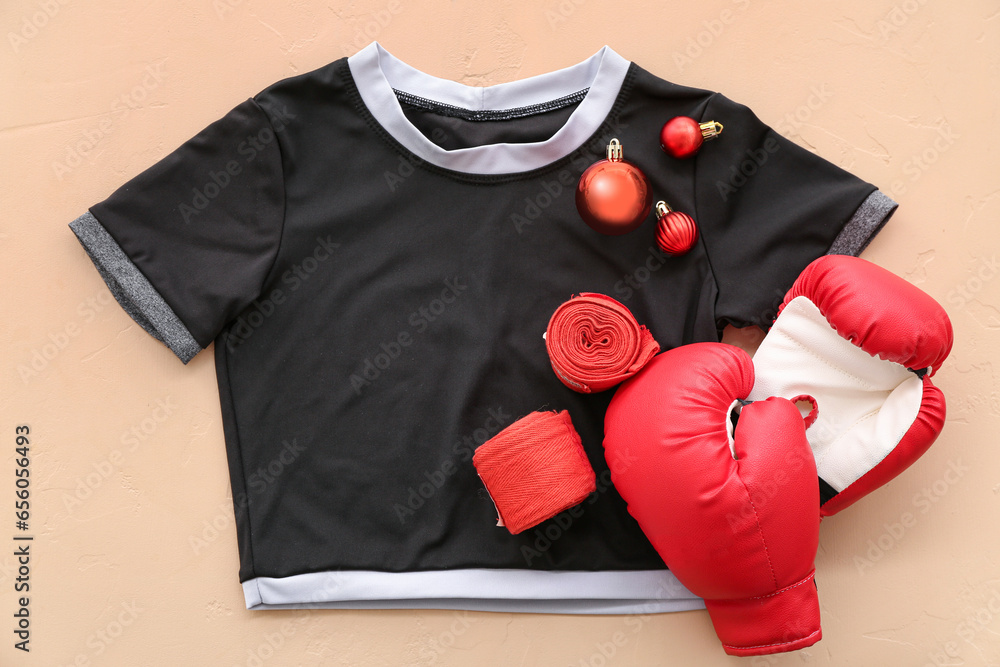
(594, 343)
(534, 469)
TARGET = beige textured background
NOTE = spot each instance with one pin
(134, 559)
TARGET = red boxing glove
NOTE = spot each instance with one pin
(733, 515)
(864, 343)
(595, 343)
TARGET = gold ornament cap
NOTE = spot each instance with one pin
(615, 150)
(710, 130)
(662, 208)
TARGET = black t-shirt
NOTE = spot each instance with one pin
(376, 252)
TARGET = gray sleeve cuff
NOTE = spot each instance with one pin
(866, 222)
(132, 290)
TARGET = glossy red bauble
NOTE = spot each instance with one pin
(682, 137)
(613, 196)
(676, 232)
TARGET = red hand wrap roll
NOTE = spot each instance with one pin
(534, 469)
(594, 343)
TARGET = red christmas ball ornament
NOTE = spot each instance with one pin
(613, 196)
(676, 232)
(682, 137)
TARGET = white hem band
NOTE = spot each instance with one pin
(506, 590)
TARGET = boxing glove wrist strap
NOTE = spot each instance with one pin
(785, 620)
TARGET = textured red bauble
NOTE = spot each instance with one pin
(676, 232)
(682, 137)
(613, 196)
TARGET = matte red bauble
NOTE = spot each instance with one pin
(613, 196)
(676, 232)
(682, 137)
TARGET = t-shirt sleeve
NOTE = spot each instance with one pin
(767, 207)
(187, 244)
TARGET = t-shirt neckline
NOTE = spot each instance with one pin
(378, 75)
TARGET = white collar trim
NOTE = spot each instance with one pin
(376, 73)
